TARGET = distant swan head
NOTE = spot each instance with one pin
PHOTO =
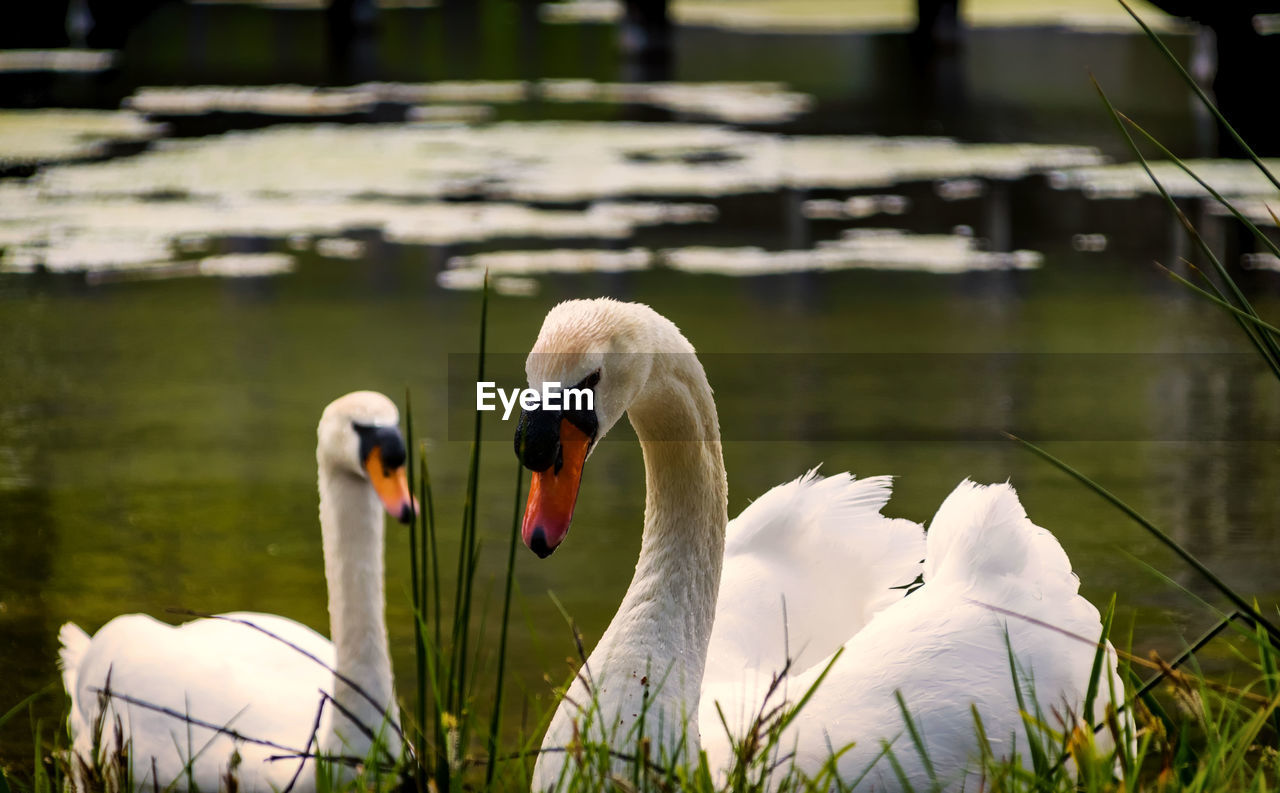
(359, 436)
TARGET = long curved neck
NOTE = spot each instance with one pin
(351, 523)
(666, 616)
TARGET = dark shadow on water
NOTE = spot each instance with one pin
(28, 629)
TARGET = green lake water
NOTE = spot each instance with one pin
(158, 437)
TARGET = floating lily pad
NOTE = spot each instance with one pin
(246, 265)
(67, 61)
(85, 234)
(470, 280)
(1229, 177)
(468, 100)
(855, 207)
(284, 100)
(1261, 261)
(33, 137)
(857, 249)
(340, 248)
(739, 103)
(469, 114)
(570, 260)
(1240, 181)
(550, 162)
(1262, 211)
(330, 180)
(862, 249)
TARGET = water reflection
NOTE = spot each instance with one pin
(1218, 406)
(26, 565)
(29, 535)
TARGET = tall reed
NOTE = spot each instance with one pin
(448, 660)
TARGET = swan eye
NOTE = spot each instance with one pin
(584, 420)
(387, 440)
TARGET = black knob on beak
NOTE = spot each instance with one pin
(538, 543)
(538, 438)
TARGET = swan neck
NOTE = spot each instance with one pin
(351, 522)
(670, 605)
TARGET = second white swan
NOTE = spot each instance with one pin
(200, 703)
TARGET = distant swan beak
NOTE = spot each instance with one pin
(392, 487)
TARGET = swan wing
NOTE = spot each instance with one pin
(996, 586)
(820, 546)
(217, 671)
(982, 546)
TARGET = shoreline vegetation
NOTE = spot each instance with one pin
(1193, 733)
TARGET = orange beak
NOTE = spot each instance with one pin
(392, 486)
(554, 492)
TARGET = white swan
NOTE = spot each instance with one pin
(227, 674)
(823, 546)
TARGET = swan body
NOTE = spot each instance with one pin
(257, 706)
(994, 583)
(715, 609)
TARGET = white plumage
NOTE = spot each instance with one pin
(995, 585)
(224, 674)
(993, 582)
(794, 553)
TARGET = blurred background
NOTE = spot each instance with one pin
(892, 232)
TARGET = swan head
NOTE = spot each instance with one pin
(603, 346)
(359, 435)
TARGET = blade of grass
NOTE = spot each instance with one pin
(496, 724)
(1221, 199)
(1236, 600)
(1263, 342)
(808, 695)
(980, 730)
(1267, 661)
(903, 781)
(420, 650)
(1219, 301)
(917, 740)
(1039, 761)
(427, 548)
(1204, 98)
(1099, 658)
(431, 650)
(468, 556)
(22, 705)
(1191, 650)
